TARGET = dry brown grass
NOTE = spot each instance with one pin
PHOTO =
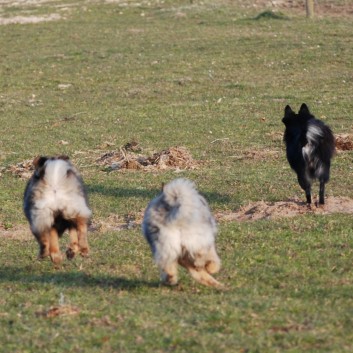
(344, 142)
(177, 157)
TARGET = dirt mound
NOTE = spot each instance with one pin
(22, 169)
(290, 208)
(172, 158)
(344, 142)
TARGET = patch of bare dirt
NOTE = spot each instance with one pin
(29, 19)
(322, 7)
(172, 158)
(252, 212)
(18, 232)
(259, 154)
(117, 222)
(344, 142)
(290, 208)
(61, 310)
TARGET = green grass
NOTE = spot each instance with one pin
(210, 77)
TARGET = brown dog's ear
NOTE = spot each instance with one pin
(64, 157)
(39, 161)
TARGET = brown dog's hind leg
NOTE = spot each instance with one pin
(54, 248)
(73, 247)
(43, 241)
(82, 236)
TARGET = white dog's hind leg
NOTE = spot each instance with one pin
(169, 273)
(202, 276)
(213, 263)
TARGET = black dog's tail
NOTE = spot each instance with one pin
(319, 150)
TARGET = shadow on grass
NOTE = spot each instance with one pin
(147, 194)
(270, 15)
(71, 279)
(121, 192)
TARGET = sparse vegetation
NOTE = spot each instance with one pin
(206, 76)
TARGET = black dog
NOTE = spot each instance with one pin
(310, 147)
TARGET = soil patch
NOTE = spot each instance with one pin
(290, 208)
(252, 212)
(18, 232)
(259, 154)
(126, 158)
(61, 310)
(344, 142)
(115, 222)
(322, 7)
(29, 19)
(172, 158)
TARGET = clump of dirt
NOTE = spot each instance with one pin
(344, 142)
(61, 310)
(23, 170)
(290, 208)
(172, 158)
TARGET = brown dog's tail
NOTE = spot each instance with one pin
(202, 276)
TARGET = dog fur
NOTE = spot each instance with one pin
(310, 146)
(180, 229)
(55, 201)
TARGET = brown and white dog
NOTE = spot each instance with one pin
(181, 229)
(55, 201)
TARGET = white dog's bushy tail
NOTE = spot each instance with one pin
(178, 191)
(182, 197)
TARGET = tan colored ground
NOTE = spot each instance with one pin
(290, 208)
(25, 8)
(252, 212)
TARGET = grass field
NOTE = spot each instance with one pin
(214, 77)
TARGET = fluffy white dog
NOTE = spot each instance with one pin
(180, 229)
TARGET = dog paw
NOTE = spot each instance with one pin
(84, 252)
(43, 255)
(70, 254)
(56, 258)
(212, 267)
(169, 280)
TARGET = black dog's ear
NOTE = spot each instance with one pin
(39, 161)
(304, 109)
(288, 110)
(64, 157)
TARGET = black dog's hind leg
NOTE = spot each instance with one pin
(322, 193)
(308, 195)
(305, 184)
